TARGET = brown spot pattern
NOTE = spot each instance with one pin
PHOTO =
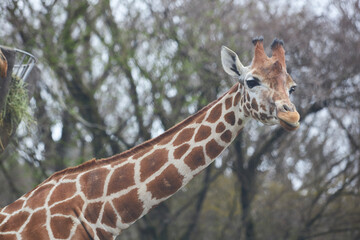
(83, 231)
(228, 102)
(39, 197)
(272, 109)
(103, 235)
(200, 118)
(14, 206)
(11, 237)
(62, 192)
(150, 164)
(230, 118)
(2, 217)
(15, 222)
(109, 216)
(166, 184)
(69, 207)
(248, 97)
(180, 151)
(184, 136)
(226, 136)
(263, 116)
(213, 149)
(129, 206)
(234, 88)
(240, 121)
(122, 178)
(195, 158)
(61, 226)
(92, 183)
(220, 127)
(215, 113)
(37, 219)
(246, 112)
(203, 133)
(71, 177)
(164, 141)
(237, 99)
(92, 211)
(254, 104)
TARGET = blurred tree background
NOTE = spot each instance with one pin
(117, 72)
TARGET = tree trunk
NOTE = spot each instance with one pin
(246, 177)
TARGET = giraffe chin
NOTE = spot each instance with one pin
(289, 120)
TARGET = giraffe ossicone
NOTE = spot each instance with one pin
(101, 198)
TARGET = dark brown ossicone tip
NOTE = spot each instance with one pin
(276, 43)
(257, 39)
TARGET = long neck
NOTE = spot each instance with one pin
(108, 195)
(169, 162)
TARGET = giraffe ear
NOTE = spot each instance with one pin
(230, 62)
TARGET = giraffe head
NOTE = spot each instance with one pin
(265, 83)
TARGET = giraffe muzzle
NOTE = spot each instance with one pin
(289, 120)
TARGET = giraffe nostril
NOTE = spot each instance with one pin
(286, 108)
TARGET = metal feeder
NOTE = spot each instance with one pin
(24, 63)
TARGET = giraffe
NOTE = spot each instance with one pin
(100, 198)
(3, 65)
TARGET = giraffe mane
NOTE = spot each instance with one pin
(96, 162)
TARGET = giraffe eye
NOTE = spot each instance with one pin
(253, 82)
(292, 89)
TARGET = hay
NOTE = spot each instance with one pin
(17, 105)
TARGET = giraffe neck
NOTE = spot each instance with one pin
(102, 197)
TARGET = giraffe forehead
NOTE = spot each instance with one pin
(273, 74)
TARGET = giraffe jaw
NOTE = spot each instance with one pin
(289, 120)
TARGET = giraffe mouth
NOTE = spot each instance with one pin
(289, 120)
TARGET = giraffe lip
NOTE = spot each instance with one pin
(289, 120)
(288, 125)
